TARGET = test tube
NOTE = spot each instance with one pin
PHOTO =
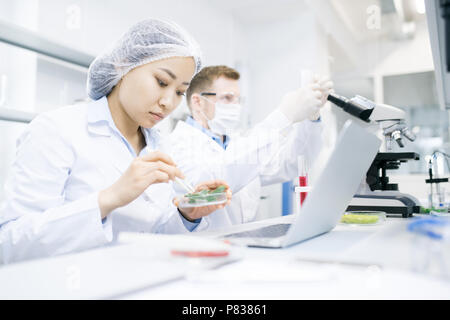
(302, 177)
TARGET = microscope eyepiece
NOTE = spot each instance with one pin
(352, 107)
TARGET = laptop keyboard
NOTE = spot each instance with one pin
(273, 231)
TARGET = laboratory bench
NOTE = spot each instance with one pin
(383, 261)
(350, 262)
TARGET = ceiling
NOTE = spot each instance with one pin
(356, 15)
(350, 24)
(262, 11)
(397, 18)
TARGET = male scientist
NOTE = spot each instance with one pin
(207, 144)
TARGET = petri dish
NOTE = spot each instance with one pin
(203, 198)
(363, 218)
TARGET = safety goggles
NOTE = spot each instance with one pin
(227, 97)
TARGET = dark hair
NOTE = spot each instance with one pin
(205, 78)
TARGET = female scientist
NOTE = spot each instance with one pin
(85, 172)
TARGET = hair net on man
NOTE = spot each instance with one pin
(147, 41)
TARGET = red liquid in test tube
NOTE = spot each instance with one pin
(302, 178)
(303, 182)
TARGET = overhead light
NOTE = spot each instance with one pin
(420, 6)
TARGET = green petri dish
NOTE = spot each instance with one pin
(363, 218)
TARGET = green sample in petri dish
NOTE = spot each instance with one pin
(206, 196)
(359, 219)
(363, 217)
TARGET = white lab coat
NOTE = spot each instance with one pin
(64, 158)
(272, 160)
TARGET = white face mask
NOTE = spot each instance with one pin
(226, 119)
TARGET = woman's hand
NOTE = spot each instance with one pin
(192, 214)
(156, 167)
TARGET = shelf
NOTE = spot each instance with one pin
(23, 38)
(16, 115)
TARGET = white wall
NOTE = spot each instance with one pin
(102, 22)
(400, 57)
(407, 56)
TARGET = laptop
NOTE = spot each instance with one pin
(346, 167)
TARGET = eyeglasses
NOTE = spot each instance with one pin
(227, 97)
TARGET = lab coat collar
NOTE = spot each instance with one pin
(99, 117)
(152, 138)
(186, 130)
(218, 139)
(100, 122)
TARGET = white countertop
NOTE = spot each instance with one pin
(350, 262)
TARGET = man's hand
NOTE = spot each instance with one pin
(306, 102)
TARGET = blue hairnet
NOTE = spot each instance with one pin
(147, 41)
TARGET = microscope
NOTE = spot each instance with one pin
(375, 192)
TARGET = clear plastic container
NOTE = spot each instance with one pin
(202, 200)
(430, 246)
(363, 218)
